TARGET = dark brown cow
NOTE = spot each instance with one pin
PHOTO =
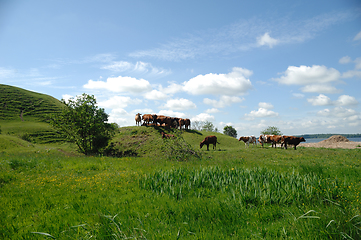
(181, 122)
(248, 140)
(187, 123)
(164, 135)
(209, 140)
(292, 140)
(164, 121)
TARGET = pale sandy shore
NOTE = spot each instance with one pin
(346, 145)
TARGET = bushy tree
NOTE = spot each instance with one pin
(83, 123)
(208, 126)
(271, 130)
(230, 131)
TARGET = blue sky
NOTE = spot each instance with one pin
(295, 65)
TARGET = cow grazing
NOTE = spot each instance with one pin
(164, 135)
(209, 140)
(264, 139)
(138, 119)
(181, 123)
(248, 140)
(292, 140)
(164, 121)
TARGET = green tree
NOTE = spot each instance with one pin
(271, 130)
(230, 131)
(208, 126)
(83, 123)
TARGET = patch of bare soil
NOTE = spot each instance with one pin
(335, 141)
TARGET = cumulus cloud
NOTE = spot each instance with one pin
(345, 60)
(155, 95)
(323, 100)
(266, 39)
(357, 37)
(320, 100)
(120, 84)
(171, 113)
(313, 79)
(212, 110)
(223, 101)
(265, 105)
(231, 84)
(339, 112)
(179, 104)
(119, 102)
(66, 97)
(203, 117)
(261, 113)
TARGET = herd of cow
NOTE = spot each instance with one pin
(273, 139)
(161, 120)
(174, 122)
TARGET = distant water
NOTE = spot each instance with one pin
(316, 140)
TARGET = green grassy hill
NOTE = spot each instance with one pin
(24, 114)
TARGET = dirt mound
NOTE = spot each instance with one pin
(335, 139)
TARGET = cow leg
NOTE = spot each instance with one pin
(207, 147)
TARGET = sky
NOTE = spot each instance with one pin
(250, 64)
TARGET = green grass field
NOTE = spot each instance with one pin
(170, 189)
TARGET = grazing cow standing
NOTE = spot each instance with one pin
(292, 140)
(209, 140)
(264, 139)
(148, 118)
(164, 121)
(164, 135)
(248, 140)
(138, 119)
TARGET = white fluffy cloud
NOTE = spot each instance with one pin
(223, 101)
(155, 95)
(313, 79)
(265, 105)
(120, 84)
(203, 117)
(323, 100)
(345, 60)
(171, 113)
(231, 84)
(261, 113)
(339, 112)
(117, 102)
(179, 104)
(212, 110)
(266, 39)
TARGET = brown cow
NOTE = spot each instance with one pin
(187, 123)
(248, 140)
(164, 135)
(292, 140)
(264, 139)
(274, 139)
(138, 119)
(164, 121)
(148, 118)
(181, 122)
(209, 140)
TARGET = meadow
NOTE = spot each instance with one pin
(154, 188)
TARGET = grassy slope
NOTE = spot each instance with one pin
(34, 107)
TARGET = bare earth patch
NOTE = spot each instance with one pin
(335, 141)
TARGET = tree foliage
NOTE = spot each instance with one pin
(271, 130)
(208, 126)
(230, 131)
(83, 123)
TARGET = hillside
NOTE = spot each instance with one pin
(24, 114)
(21, 104)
